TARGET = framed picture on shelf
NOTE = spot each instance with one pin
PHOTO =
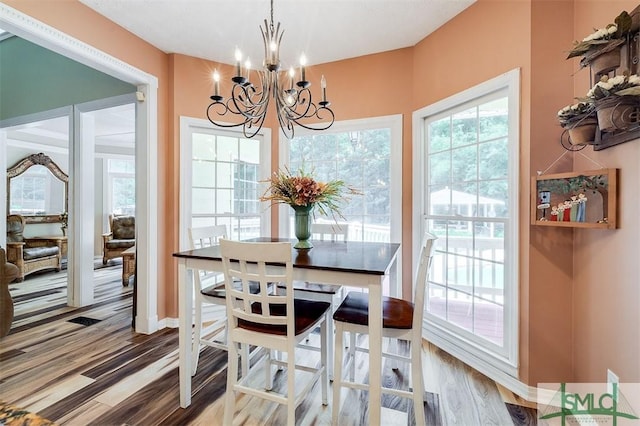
(576, 199)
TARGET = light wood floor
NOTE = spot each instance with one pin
(98, 371)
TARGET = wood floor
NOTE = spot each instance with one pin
(87, 366)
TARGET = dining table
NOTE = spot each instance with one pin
(369, 265)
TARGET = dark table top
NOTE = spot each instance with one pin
(350, 256)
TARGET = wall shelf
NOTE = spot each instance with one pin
(585, 199)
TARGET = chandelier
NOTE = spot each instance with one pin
(293, 103)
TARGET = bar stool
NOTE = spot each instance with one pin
(400, 320)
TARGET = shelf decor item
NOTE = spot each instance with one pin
(580, 122)
(616, 100)
(304, 194)
(601, 49)
(585, 199)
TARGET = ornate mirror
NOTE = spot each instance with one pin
(37, 189)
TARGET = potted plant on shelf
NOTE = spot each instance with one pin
(580, 122)
(304, 193)
(601, 49)
(616, 100)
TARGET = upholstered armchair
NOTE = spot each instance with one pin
(121, 236)
(30, 255)
(8, 273)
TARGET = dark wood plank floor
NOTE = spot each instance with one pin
(87, 366)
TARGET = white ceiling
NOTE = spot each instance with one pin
(114, 132)
(325, 30)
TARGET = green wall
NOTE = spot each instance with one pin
(34, 79)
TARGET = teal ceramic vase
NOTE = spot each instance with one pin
(302, 225)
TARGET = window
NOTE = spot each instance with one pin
(221, 176)
(465, 192)
(364, 154)
(122, 186)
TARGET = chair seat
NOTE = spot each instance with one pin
(38, 252)
(314, 287)
(396, 313)
(115, 244)
(218, 291)
(307, 313)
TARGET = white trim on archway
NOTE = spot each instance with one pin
(46, 36)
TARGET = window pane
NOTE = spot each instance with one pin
(464, 127)
(203, 173)
(226, 148)
(440, 168)
(124, 195)
(464, 162)
(224, 174)
(495, 195)
(202, 201)
(203, 147)
(492, 159)
(224, 201)
(494, 121)
(250, 151)
(440, 135)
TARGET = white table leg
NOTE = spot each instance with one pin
(185, 302)
(375, 350)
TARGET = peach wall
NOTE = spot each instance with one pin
(607, 262)
(550, 284)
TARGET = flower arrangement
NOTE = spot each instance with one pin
(620, 85)
(602, 40)
(572, 114)
(303, 190)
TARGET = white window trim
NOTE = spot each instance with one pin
(189, 125)
(502, 369)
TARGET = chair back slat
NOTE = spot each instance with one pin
(205, 236)
(426, 256)
(249, 263)
(332, 231)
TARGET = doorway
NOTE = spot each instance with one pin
(146, 149)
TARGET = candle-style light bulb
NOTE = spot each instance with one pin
(292, 73)
(303, 62)
(247, 66)
(238, 55)
(216, 82)
(323, 85)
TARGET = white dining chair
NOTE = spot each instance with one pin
(213, 294)
(329, 293)
(275, 322)
(400, 320)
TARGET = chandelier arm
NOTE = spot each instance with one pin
(286, 126)
(246, 106)
(226, 109)
(324, 127)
